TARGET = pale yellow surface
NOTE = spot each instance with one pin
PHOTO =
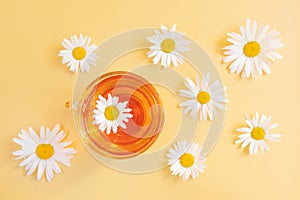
(35, 85)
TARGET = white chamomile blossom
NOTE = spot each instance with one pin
(251, 50)
(203, 98)
(110, 113)
(79, 53)
(43, 151)
(256, 133)
(186, 160)
(167, 46)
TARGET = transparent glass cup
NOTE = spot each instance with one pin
(142, 129)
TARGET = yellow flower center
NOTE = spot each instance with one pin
(251, 49)
(111, 113)
(167, 45)
(258, 133)
(44, 151)
(203, 97)
(187, 160)
(79, 53)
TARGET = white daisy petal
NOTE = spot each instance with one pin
(262, 32)
(108, 129)
(242, 64)
(230, 58)
(251, 147)
(67, 44)
(62, 160)
(41, 169)
(164, 60)
(262, 146)
(266, 147)
(272, 126)
(273, 137)
(246, 142)
(49, 171)
(187, 94)
(189, 102)
(234, 41)
(33, 166)
(55, 166)
(28, 160)
(19, 142)
(169, 59)
(237, 36)
(195, 111)
(254, 29)
(157, 58)
(255, 148)
(174, 60)
(240, 141)
(188, 109)
(236, 64)
(58, 137)
(245, 135)
(34, 136)
(244, 130)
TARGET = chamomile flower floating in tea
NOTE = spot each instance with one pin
(251, 50)
(256, 133)
(42, 152)
(110, 113)
(167, 46)
(79, 53)
(138, 108)
(185, 160)
(203, 97)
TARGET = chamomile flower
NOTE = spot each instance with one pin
(257, 132)
(110, 113)
(79, 53)
(167, 46)
(251, 50)
(203, 97)
(42, 152)
(185, 160)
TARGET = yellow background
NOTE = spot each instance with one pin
(35, 85)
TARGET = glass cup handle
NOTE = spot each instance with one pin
(71, 105)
